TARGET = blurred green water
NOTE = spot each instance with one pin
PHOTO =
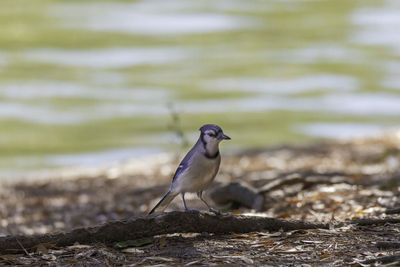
(92, 76)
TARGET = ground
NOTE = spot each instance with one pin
(329, 182)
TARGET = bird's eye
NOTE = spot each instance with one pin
(211, 134)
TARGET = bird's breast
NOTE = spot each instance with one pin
(199, 175)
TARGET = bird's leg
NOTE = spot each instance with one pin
(200, 195)
(184, 204)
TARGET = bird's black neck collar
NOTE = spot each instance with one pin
(207, 154)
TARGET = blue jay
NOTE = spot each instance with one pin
(197, 169)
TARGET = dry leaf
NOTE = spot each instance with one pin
(276, 234)
(163, 242)
(312, 241)
(78, 246)
(301, 232)
(72, 261)
(192, 263)
(266, 243)
(49, 257)
(10, 259)
(293, 200)
(244, 235)
(134, 243)
(40, 249)
(284, 215)
(133, 250)
(247, 260)
(158, 259)
(43, 247)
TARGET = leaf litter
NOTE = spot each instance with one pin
(370, 166)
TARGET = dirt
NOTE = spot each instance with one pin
(119, 192)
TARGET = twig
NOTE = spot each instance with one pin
(307, 179)
(374, 221)
(393, 211)
(26, 252)
(176, 126)
(387, 245)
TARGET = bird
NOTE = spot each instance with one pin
(197, 170)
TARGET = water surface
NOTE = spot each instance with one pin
(85, 83)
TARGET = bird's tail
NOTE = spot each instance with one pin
(164, 202)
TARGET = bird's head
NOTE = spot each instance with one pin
(212, 134)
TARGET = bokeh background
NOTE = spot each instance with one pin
(93, 82)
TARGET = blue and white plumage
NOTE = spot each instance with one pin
(198, 168)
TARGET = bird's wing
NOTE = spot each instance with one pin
(184, 164)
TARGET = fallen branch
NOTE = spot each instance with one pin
(166, 223)
(393, 211)
(374, 221)
(307, 179)
(252, 198)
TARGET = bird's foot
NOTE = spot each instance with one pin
(216, 212)
(192, 211)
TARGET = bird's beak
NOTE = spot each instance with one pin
(224, 137)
